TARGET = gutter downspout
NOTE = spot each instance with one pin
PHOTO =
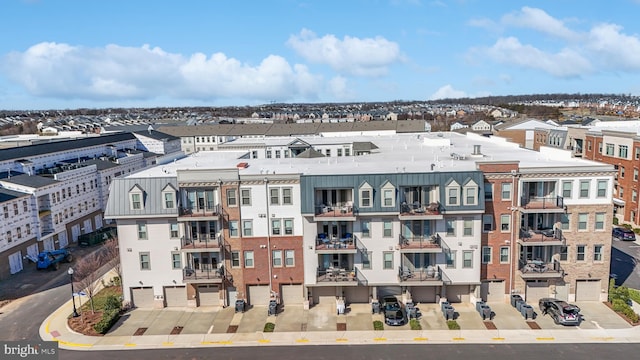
(513, 227)
(266, 188)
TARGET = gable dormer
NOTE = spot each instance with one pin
(365, 192)
(388, 198)
(470, 193)
(169, 194)
(136, 198)
(452, 193)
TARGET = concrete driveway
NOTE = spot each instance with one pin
(508, 318)
(322, 317)
(595, 315)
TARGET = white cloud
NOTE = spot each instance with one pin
(539, 20)
(115, 73)
(339, 88)
(448, 92)
(614, 49)
(351, 55)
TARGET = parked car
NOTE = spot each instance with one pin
(394, 313)
(622, 233)
(560, 311)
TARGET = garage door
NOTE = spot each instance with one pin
(492, 291)
(536, 290)
(357, 295)
(208, 295)
(423, 294)
(291, 294)
(232, 295)
(588, 290)
(175, 296)
(142, 297)
(259, 294)
(458, 293)
(324, 295)
(562, 292)
(382, 291)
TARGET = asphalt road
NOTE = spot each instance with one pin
(625, 257)
(377, 352)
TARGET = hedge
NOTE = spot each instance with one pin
(378, 325)
(109, 318)
(415, 324)
(453, 325)
(269, 327)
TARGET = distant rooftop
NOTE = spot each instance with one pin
(33, 181)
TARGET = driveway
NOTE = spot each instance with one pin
(595, 315)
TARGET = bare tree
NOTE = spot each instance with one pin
(111, 252)
(88, 275)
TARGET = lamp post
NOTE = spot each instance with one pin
(73, 296)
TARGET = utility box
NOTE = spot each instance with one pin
(515, 299)
(527, 311)
(240, 305)
(448, 311)
(479, 305)
(519, 304)
(375, 307)
(485, 312)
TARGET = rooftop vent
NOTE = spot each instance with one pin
(242, 165)
(476, 150)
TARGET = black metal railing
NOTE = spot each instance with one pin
(195, 211)
(542, 235)
(204, 272)
(420, 241)
(410, 273)
(202, 241)
(443, 276)
(337, 274)
(534, 267)
(544, 202)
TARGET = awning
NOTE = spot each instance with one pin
(618, 202)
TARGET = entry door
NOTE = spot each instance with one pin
(15, 262)
(98, 220)
(48, 244)
(75, 232)
(62, 240)
(32, 250)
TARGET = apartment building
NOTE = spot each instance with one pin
(425, 217)
(52, 193)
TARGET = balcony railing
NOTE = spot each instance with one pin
(344, 209)
(443, 276)
(325, 242)
(211, 210)
(197, 241)
(540, 269)
(420, 242)
(203, 273)
(545, 202)
(430, 273)
(417, 208)
(338, 275)
(551, 236)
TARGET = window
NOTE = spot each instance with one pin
(564, 253)
(245, 195)
(600, 147)
(487, 223)
(468, 227)
(339, 152)
(268, 154)
(366, 232)
(582, 221)
(564, 221)
(347, 152)
(602, 188)
(622, 172)
(277, 258)
(599, 221)
(19, 232)
(365, 197)
(387, 260)
(5, 209)
(505, 222)
(450, 225)
(452, 196)
(566, 189)
(328, 152)
(145, 261)
(274, 196)
(136, 201)
(286, 153)
(387, 226)
(231, 197)
(504, 254)
(467, 259)
(233, 228)
(488, 191)
(169, 202)
(142, 230)
(289, 258)
(176, 261)
(486, 254)
(287, 199)
(451, 259)
(506, 191)
(584, 188)
(24, 206)
(248, 259)
(580, 252)
(623, 151)
(9, 239)
(634, 195)
(387, 197)
(247, 227)
(597, 253)
(235, 259)
(470, 195)
(275, 226)
(288, 226)
(27, 228)
(637, 153)
(173, 230)
(77, 189)
(366, 260)
(609, 149)
(621, 191)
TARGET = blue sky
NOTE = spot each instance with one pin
(66, 54)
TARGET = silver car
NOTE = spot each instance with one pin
(560, 311)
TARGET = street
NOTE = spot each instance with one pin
(625, 255)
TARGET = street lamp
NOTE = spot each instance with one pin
(73, 295)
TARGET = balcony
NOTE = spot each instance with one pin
(538, 269)
(544, 237)
(420, 244)
(419, 211)
(211, 212)
(340, 276)
(201, 241)
(342, 211)
(330, 244)
(205, 274)
(44, 212)
(430, 274)
(530, 204)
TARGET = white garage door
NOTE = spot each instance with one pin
(536, 290)
(562, 292)
(175, 296)
(423, 294)
(588, 290)
(324, 295)
(383, 291)
(259, 294)
(358, 294)
(208, 295)
(142, 297)
(291, 294)
(458, 293)
(492, 291)
(32, 250)
(15, 262)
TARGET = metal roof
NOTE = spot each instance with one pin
(33, 181)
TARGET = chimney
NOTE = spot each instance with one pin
(476, 150)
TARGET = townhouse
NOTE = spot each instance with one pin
(314, 219)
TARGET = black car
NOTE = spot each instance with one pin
(560, 311)
(622, 233)
(394, 313)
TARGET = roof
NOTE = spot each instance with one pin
(59, 146)
(33, 181)
(152, 205)
(310, 153)
(7, 195)
(157, 135)
(101, 164)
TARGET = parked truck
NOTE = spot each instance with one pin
(51, 259)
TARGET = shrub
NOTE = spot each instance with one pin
(453, 325)
(378, 325)
(112, 302)
(634, 295)
(615, 221)
(415, 324)
(109, 318)
(636, 230)
(269, 327)
(627, 226)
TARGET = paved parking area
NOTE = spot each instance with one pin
(292, 318)
(359, 317)
(507, 317)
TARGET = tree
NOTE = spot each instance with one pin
(111, 252)
(88, 275)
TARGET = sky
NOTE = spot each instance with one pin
(68, 54)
